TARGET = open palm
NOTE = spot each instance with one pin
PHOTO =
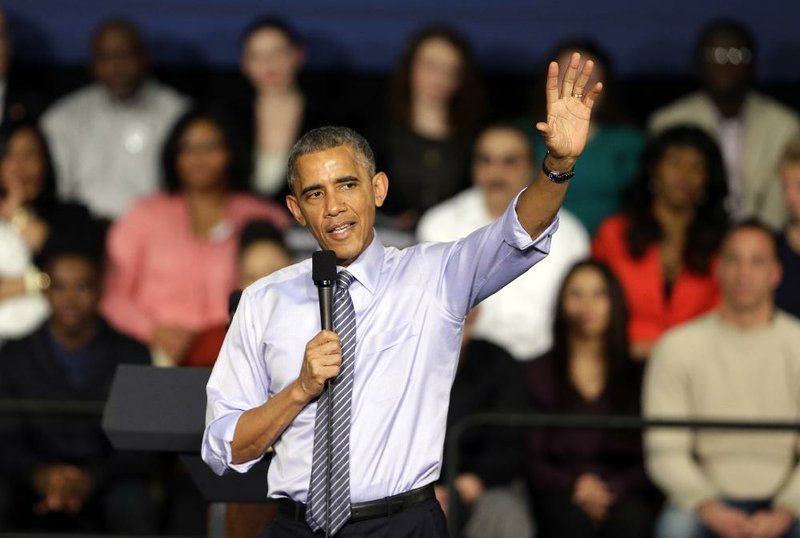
(569, 109)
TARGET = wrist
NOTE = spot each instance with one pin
(19, 220)
(559, 164)
(299, 394)
(35, 281)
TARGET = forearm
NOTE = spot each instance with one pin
(539, 204)
(12, 287)
(258, 428)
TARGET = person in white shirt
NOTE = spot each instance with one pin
(106, 138)
(519, 316)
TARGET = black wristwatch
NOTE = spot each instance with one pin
(556, 177)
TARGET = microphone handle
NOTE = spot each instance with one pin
(326, 305)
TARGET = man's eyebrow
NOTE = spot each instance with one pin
(338, 180)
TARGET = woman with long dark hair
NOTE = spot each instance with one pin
(588, 483)
(663, 245)
(172, 257)
(435, 107)
(30, 214)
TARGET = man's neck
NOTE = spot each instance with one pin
(747, 318)
(74, 339)
(729, 106)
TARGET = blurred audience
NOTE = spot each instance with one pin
(518, 317)
(589, 483)
(740, 362)
(18, 103)
(787, 296)
(609, 161)
(662, 246)
(261, 252)
(277, 110)
(488, 380)
(172, 258)
(750, 127)
(436, 105)
(106, 137)
(30, 214)
(64, 473)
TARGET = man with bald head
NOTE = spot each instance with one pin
(502, 165)
(106, 138)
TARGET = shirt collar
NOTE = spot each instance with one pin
(367, 267)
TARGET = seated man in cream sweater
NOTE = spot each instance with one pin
(740, 362)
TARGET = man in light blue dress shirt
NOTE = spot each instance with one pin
(410, 307)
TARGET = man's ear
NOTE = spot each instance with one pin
(294, 209)
(380, 185)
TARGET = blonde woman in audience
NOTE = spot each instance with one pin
(171, 260)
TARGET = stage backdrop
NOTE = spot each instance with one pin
(367, 35)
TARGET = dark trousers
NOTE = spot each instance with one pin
(423, 520)
(557, 516)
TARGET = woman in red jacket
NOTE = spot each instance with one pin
(662, 246)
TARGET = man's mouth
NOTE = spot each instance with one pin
(340, 231)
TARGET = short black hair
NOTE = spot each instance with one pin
(124, 25)
(259, 230)
(271, 22)
(85, 241)
(240, 167)
(329, 137)
(755, 224)
(720, 26)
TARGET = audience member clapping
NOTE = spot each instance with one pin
(588, 483)
(30, 214)
(662, 246)
(435, 109)
(750, 127)
(106, 138)
(172, 258)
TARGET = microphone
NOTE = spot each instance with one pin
(323, 272)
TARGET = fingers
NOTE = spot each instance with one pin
(570, 76)
(590, 97)
(551, 86)
(583, 78)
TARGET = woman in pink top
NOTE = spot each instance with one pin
(171, 259)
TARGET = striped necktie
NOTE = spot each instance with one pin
(344, 323)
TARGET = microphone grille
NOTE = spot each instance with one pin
(323, 265)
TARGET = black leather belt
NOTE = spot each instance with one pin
(385, 507)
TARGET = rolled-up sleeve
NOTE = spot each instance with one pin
(238, 382)
(489, 258)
